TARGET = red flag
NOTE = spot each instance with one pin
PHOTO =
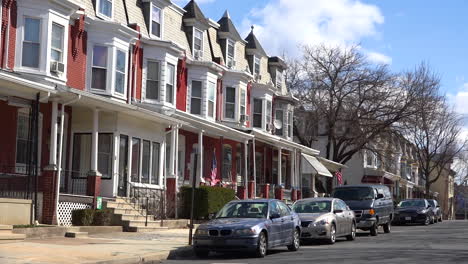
(339, 177)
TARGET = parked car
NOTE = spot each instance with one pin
(249, 225)
(325, 219)
(372, 205)
(437, 211)
(414, 211)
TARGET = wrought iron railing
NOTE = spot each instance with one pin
(75, 182)
(149, 201)
(18, 182)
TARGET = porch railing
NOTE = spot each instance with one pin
(150, 201)
(75, 182)
(17, 182)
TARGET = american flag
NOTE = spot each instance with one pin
(339, 177)
(213, 169)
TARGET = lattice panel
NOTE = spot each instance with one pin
(65, 211)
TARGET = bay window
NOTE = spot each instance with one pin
(196, 100)
(257, 113)
(211, 99)
(156, 21)
(99, 68)
(104, 7)
(31, 42)
(230, 103)
(120, 72)
(152, 80)
(56, 52)
(268, 114)
(242, 104)
(230, 49)
(170, 83)
(279, 118)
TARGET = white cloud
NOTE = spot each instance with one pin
(460, 100)
(283, 25)
(379, 58)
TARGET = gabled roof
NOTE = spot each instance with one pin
(194, 11)
(253, 43)
(226, 25)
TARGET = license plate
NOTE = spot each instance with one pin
(408, 218)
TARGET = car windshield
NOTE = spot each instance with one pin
(412, 203)
(358, 193)
(305, 207)
(244, 210)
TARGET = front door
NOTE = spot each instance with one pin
(123, 166)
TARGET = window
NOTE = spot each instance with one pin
(211, 99)
(268, 112)
(56, 52)
(195, 102)
(256, 66)
(135, 173)
(279, 118)
(230, 48)
(242, 102)
(370, 159)
(145, 163)
(230, 103)
(279, 79)
(82, 154)
(227, 162)
(290, 124)
(99, 71)
(22, 138)
(257, 113)
(31, 42)
(152, 80)
(170, 83)
(156, 21)
(197, 40)
(105, 155)
(104, 8)
(120, 72)
(155, 163)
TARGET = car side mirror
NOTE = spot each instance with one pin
(429, 206)
(380, 196)
(438, 206)
(274, 216)
(211, 216)
(337, 211)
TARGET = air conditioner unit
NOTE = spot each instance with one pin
(258, 77)
(244, 118)
(57, 67)
(198, 54)
(231, 64)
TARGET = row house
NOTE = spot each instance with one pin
(104, 97)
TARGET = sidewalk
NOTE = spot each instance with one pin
(121, 248)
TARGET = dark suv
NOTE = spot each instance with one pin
(372, 205)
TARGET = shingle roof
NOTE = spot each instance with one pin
(253, 43)
(226, 25)
(193, 11)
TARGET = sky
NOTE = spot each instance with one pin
(399, 33)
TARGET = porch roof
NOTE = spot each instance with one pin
(331, 165)
(281, 142)
(21, 86)
(316, 165)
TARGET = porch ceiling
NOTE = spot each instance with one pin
(283, 143)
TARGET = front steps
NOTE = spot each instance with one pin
(7, 236)
(133, 217)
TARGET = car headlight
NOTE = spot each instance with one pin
(201, 232)
(244, 232)
(423, 211)
(319, 222)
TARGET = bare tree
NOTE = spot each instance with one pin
(354, 101)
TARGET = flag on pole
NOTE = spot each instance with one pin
(214, 169)
(339, 177)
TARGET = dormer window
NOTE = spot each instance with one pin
(31, 42)
(156, 21)
(256, 68)
(230, 50)
(197, 43)
(279, 79)
(104, 8)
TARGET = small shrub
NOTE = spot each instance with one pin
(83, 217)
(102, 217)
(208, 200)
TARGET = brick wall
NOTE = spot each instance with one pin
(8, 31)
(77, 52)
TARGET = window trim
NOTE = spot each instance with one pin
(97, 90)
(104, 16)
(233, 58)
(193, 39)
(197, 98)
(150, 165)
(242, 103)
(282, 121)
(62, 51)
(268, 114)
(25, 16)
(161, 21)
(208, 100)
(145, 83)
(174, 83)
(115, 71)
(256, 113)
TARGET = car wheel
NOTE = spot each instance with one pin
(352, 236)
(374, 231)
(432, 220)
(201, 253)
(296, 242)
(387, 227)
(427, 220)
(262, 245)
(440, 219)
(332, 238)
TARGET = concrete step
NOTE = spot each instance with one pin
(76, 234)
(5, 238)
(130, 217)
(144, 229)
(176, 223)
(6, 229)
(128, 211)
(117, 205)
(141, 223)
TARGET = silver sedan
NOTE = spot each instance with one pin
(325, 219)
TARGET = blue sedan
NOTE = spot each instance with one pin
(249, 225)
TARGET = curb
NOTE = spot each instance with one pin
(150, 258)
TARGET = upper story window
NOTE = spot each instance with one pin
(371, 159)
(156, 21)
(104, 8)
(257, 113)
(211, 99)
(279, 79)
(242, 106)
(290, 124)
(256, 69)
(230, 103)
(170, 76)
(56, 52)
(152, 80)
(230, 51)
(279, 118)
(120, 72)
(196, 100)
(268, 115)
(31, 42)
(99, 71)
(197, 43)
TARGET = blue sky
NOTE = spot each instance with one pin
(401, 33)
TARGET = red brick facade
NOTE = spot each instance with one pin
(77, 53)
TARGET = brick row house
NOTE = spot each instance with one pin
(102, 97)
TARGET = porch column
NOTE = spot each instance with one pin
(94, 177)
(254, 187)
(279, 190)
(53, 135)
(200, 154)
(171, 180)
(176, 171)
(242, 190)
(293, 175)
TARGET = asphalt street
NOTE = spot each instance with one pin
(445, 242)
